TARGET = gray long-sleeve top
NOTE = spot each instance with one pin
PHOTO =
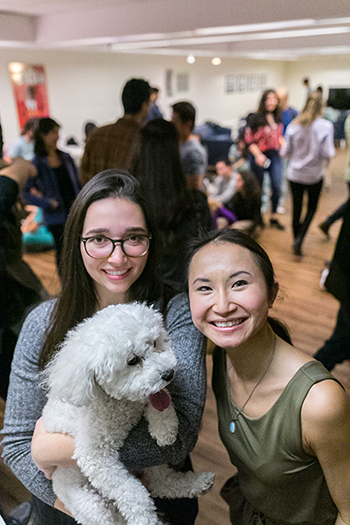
(308, 147)
(26, 399)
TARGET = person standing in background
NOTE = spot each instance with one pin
(288, 114)
(264, 137)
(180, 213)
(116, 145)
(306, 84)
(193, 156)
(154, 111)
(309, 145)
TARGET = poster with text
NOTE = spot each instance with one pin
(29, 87)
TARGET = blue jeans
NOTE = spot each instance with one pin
(275, 174)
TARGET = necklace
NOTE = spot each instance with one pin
(233, 410)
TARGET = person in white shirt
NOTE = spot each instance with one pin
(309, 145)
(224, 185)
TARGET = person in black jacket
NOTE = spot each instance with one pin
(337, 348)
(246, 201)
(1, 142)
(20, 289)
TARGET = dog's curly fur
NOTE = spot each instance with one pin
(99, 385)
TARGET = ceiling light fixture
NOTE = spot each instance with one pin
(16, 67)
(191, 59)
(216, 61)
(245, 37)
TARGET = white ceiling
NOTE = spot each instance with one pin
(266, 29)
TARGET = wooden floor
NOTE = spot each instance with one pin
(308, 312)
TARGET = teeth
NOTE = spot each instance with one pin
(228, 324)
(120, 272)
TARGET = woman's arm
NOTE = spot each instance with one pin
(326, 434)
(72, 170)
(327, 144)
(188, 392)
(252, 138)
(32, 192)
(51, 449)
(25, 401)
(260, 158)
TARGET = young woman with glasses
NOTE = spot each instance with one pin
(110, 256)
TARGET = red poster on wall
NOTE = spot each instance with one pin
(29, 87)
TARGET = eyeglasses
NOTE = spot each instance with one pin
(101, 247)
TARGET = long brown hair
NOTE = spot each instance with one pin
(78, 299)
(311, 110)
(258, 119)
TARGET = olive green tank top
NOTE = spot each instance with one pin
(275, 475)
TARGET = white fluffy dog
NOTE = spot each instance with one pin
(111, 370)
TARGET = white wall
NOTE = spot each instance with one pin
(86, 86)
(322, 71)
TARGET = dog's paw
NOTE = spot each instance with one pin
(205, 482)
(166, 438)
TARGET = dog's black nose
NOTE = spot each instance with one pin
(168, 375)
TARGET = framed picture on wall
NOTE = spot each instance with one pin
(252, 83)
(169, 82)
(261, 82)
(230, 84)
(242, 83)
(182, 82)
(29, 88)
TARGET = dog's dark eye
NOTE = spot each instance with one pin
(134, 361)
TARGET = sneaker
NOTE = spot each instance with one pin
(325, 228)
(324, 275)
(274, 223)
(20, 515)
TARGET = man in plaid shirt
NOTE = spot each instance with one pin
(116, 145)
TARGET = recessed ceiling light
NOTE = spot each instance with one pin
(216, 61)
(191, 59)
(16, 67)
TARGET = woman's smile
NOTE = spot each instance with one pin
(228, 324)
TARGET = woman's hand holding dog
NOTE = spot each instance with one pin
(59, 506)
(50, 450)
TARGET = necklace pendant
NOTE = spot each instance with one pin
(232, 427)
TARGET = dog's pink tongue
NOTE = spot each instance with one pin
(160, 401)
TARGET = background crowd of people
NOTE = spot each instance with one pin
(145, 181)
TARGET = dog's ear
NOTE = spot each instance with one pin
(70, 376)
